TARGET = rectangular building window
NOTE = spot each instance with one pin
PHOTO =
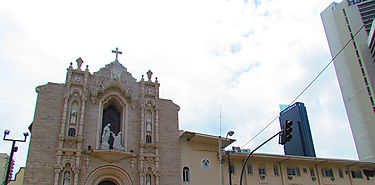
(276, 170)
(232, 169)
(293, 172)
(298, 172)
(327, 172)
(262, 171)
(249, 169)
(357, 174)
(341, 174)
(312, 172)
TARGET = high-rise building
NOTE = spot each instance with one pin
(347, 25)
(301, 143)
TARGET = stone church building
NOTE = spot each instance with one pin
(107, 128)
(103, 128)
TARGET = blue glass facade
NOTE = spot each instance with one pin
(301, 143)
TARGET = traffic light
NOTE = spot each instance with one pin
(286, 132)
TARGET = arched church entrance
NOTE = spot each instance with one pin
(108, 175)
(107, 183)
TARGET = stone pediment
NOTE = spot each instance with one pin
(114, 71)
(113, 86)
(110, 155)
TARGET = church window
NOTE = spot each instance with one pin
(186, 174)
(148, 139)
(148, 179)
(72, 132)
(66, 178)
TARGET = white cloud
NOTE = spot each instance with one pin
(188, 46)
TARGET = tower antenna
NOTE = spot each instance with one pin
(220, 120)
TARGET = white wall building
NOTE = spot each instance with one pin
(347, 25)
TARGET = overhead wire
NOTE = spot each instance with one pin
(316, 77)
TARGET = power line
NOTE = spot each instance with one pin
(329, 63)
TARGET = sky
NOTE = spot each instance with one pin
(237, 58)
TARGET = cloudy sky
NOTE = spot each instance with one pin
(245, 56)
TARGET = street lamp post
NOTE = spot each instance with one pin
(221, 161)
(230, 133)
(14, 149)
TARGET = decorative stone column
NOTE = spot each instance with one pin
(57, 172)
(157, 125)
(141, 178)
(143, 122)
(63, 119)
(82, 116)
(157, 178)
(76, 177)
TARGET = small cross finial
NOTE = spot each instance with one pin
(149, 75)
(117, 52)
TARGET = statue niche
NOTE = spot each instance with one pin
(110, 126)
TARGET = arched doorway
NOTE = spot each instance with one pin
(107, 183)
(108, 175)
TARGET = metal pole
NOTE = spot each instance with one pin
(14, 149)
(7, 178)
(229, 169)
(221, 161)
(247, 158)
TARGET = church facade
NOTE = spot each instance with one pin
(103, 128)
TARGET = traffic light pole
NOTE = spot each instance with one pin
(247, 158)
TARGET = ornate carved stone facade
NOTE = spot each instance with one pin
(102, 128)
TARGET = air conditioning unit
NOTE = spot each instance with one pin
(262, 177)
(333, 178)
(313, 178)
(290, 177)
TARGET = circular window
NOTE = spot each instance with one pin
(206, 163)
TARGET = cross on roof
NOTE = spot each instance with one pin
(117, 52)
